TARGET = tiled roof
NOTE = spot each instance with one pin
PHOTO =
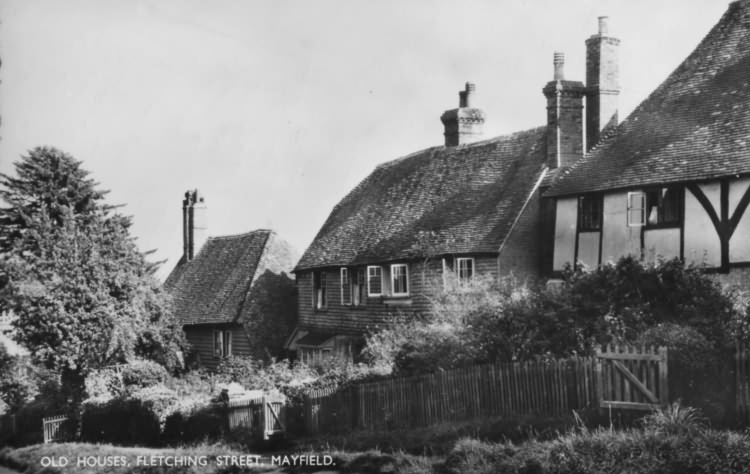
(437, 201)
(694, 126)
(212, 287)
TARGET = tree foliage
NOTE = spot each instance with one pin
(82, 293)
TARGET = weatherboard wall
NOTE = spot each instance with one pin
(425, 281)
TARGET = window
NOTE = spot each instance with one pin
(465, 269)
(358, 286)
(664, 207)
(346, 287)
(222, 343)
(636, 209)
(399, 279)
(590, 213)
(374, 281)
(319, 290)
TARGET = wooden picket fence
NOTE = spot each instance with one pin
(542, 388)
(53, 428)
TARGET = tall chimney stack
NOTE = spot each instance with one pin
(194, 224)
(464, 124)
(564, 117)
(602, 83)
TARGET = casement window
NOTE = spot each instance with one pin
(346, 287)
(464, 269)
(664, 206)
(222, 343)
(590, 213)
(358, 286)
(374, 280)
(320, 297)
(399, 279)
(636, 209)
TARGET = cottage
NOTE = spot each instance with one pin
(469, 207)
(673, 180)
(233, 294)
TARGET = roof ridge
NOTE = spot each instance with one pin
(463, 146)
(234, 236)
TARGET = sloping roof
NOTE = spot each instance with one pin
(694, 126)
(212, 287)
(440, 200)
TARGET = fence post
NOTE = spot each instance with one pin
(663, 386)
(598, 379)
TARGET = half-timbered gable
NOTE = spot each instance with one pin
(673, 180)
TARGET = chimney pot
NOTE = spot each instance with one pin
(464, 124)
(559, 62)
(465, 96)
(603, 25)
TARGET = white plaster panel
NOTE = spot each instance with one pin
(588, 249)
(713, 193)
(739, 244)
(736, 191)
(702, 244)
(618, 239)
(664, 243)
(565, 232)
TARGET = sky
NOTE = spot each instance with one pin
(276, 109)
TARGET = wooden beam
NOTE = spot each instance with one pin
(626, 356)
(629, 405)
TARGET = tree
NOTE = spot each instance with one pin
(83, 295)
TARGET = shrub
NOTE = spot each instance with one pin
(130, 420)
(143, 373)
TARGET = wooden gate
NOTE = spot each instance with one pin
(631, 377)
(53, 428)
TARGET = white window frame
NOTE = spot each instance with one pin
(393, 279)
(346, 286)
(380, 270)
(457, 268)
(640, 195)
(222, 343)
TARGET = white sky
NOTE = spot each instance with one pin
(275, 110)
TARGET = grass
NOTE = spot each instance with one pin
(673, 440)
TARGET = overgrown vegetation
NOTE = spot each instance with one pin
(666, 303)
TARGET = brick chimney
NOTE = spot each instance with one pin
(193, 224)
(602, 83)
(564, 117)
(464, 124)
